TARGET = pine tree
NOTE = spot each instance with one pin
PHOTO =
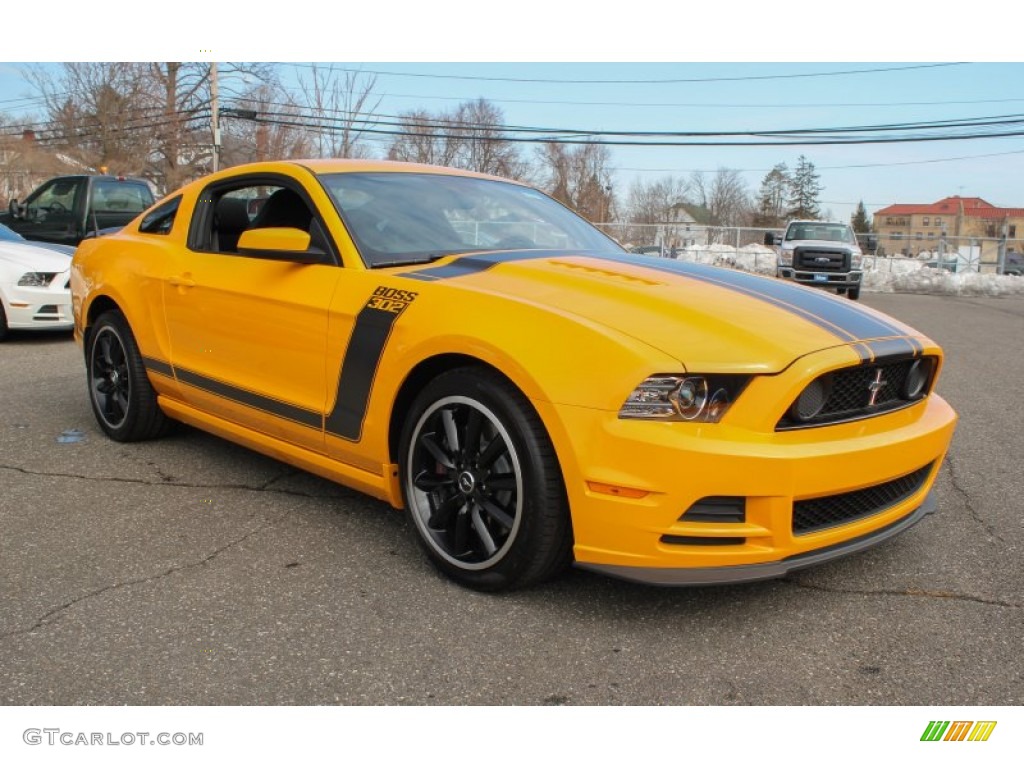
(772, 198)
(804, 189)
(860, 222)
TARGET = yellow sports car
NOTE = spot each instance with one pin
(466, 348)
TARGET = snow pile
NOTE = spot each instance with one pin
(749, 258)
(945, 283)
(881, 274)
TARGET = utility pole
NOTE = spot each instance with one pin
(215, 116)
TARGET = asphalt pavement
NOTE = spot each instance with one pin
(192, 571)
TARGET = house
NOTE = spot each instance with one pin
(910, 228)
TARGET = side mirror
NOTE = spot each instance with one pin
(872, 242)
(14, 208)
(769, 238)
(280, 244)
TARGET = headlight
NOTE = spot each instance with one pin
(37, 279)
(918, 376)
(856, 260)
(670, 397)
(786, 258)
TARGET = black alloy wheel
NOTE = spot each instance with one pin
(123, 400)
(482, 484)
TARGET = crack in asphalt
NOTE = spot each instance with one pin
(263, 487)
(55, 612)
(968, 501)
(929, 593)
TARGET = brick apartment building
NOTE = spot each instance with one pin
(910, 228)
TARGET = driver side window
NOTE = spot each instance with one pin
(254, 204)
(55, 199)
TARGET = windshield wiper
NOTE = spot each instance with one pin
(428, 258)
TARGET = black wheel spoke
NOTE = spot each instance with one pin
(435, 450)
(501, 481)
(451, 432)
(105, 355)
(482, 533)
(490, 454)
(441, 516)
(473, 424)
(461, 534)
(428, 483)
(497, 513)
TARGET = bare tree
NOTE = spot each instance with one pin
(470, 137)
(663, 202)
(100, 114)
(342, 104)
(426, 139)
(134, 117)
(258, 139)
(579, 177)
(728, 201)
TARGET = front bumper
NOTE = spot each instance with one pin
(32, 308)
(822, 279)
(739, 574)
(630, 484)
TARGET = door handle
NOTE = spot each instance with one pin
(182, 281)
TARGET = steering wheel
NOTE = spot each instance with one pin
(516, 241)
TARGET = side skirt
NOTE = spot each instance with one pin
(384, 486)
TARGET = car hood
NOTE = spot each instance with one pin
(33, 257)
(791, 244)
(711, 320)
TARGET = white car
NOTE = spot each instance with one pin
(34, 289)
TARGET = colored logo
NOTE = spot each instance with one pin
(958, 730)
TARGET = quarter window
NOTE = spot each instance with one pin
(160, 220)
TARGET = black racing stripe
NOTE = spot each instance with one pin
(917, 345)
(295, 413)
(892, 348)
(358, 370)
(864, 352)
(158, 366)
(719, 277)
(844, 318)
(480, 262)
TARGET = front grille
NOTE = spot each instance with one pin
(821, 259)
(851, 391)
(828, 511)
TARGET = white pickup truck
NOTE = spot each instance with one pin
(820, 253)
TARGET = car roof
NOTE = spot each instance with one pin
(351, 165)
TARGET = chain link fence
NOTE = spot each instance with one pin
(744, 247)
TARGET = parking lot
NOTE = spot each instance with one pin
(192, 571)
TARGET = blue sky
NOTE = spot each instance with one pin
(745, 87)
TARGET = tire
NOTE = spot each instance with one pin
(3, 322)
(482, 484)
(123, 400)
(853, 293)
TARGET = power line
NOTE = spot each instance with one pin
(652, 81)
(828, 167)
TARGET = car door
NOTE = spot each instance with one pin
(53, 211)
(248, 335)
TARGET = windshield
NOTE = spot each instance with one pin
(403, 218)
(9, 234)
(812, 230)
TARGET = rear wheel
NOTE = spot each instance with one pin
(123, 400)
(3, 322)
(482, 484)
